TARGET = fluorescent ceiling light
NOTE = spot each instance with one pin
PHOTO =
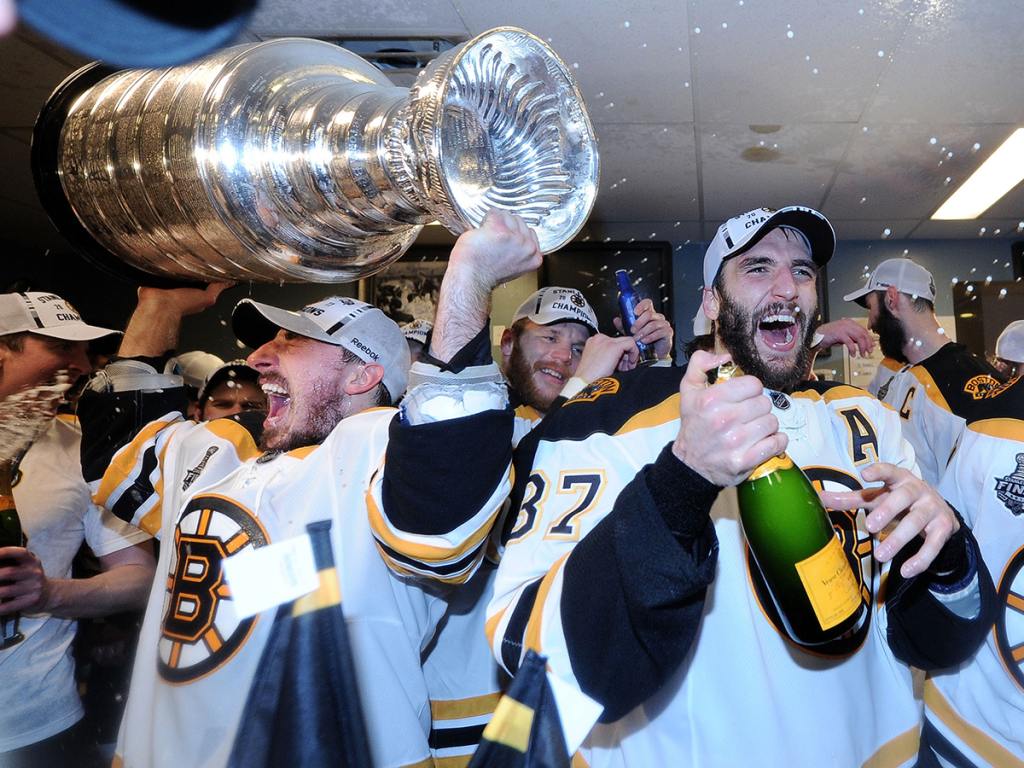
(998, 175)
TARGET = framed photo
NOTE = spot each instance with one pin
(590, 268)
(408, 289)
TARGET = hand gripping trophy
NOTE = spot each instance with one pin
(296, 160)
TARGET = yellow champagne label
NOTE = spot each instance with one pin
(830, 584)
(773, 464)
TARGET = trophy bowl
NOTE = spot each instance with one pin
(295, 160)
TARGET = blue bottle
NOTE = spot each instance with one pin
(628, 300)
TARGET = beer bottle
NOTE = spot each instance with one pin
(797, 549)
(10, 536)
(627, 306)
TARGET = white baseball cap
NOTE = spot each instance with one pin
(1010, 344)
(46, 314)
(417, 330)
(195, 368)
(557, 305)
(904, 275)
(359, 327)
(741, 233)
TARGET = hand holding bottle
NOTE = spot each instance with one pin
(651, 328)
(906, 500)
(23, 585)
(727, 430)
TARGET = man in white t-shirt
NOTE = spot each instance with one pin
(40, 335)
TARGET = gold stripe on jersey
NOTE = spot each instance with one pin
(930, 387)
(511, 725)
(841, 392)
(537, 612)
(301, 453)
(324, 596)
(980, 742)
(237, 435)
(528, 412)
(491, 625)
(454, 709)
(455, 761)
(117, 762)
(662, 413)
(578, 761)
(425, 553)
(428, 763)
(1008, 429)
(896, 751)
(892, 365)
(68, 418)
(127, 460)
(404, 570)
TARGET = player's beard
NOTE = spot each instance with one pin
(736, 328)
(520, 377)
(318, 414)
(892, 337)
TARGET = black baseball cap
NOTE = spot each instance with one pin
(139, 33)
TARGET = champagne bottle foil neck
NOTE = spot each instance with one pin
(774, 464)
(728, 371)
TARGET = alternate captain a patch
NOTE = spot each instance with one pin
(594, 390)
(199, 630)
(1010, 489)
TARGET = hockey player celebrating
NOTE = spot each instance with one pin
(974, 713)
(630, 515)
(929, 379)
(219, 492)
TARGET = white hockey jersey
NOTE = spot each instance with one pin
(887, 368)
(746, 695)
(975, 714)
(209, 493)
(932, 397)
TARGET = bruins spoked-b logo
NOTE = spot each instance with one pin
(1010, 489)
(200, 631)
(1009, 629)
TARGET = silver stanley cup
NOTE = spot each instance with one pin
(296, 160)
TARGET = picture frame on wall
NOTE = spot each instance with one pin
(408, 289)
(591, 267)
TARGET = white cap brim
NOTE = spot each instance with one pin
(74, 332)
(859, 295)
(254, 324)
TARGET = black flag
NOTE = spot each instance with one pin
(525, 730)
(303, 707)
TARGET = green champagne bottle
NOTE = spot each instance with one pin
(10, 536)
(797, 549)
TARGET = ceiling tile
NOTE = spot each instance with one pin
(795, 62)
(980, 229)
(645, 173)
(327, 18)
(898, 170)
(743, 169)
(959, 62)
(856, 229)
(631, 58)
